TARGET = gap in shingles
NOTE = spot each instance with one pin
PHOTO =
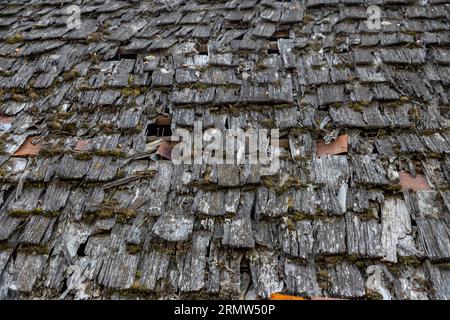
(81, 249)
(123, 53)
(202, 48)
(64, 287)
(273, 48)
(161, 127)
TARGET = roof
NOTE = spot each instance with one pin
(358, 209)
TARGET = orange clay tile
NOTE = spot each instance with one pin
(280, 296)
(338, 146)
(28, 148)
(418, 183)
(82, 145)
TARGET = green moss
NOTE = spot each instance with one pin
(136, 130)
(106, 126)
(69, 128)
(35, 212)
(134, 92)
(70, 75)
(408, 32)
(130, 80)
(298, 216)
(290, 225)
(125, 215)
(55, 125)
(404, 99)
(200, 86)
(411, 261)
(308, 18)
(358, 105)
(105, 213)
(373, 295)
(18, 97)
(340, 39)
(116, 153)
(51, 151)
(5, 246)
(260, 65)
(94, 37)
(323, 279)
(15, 38)
(83, 156)
(34, 249)
(65, 115)
(133, 248)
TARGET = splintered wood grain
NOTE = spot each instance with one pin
(28, 149)
(407, 182)
(338, 146)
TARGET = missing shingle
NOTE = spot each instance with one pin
(123, 53)
(273, 48)
(64, 286)
(161, 127)
(283, 32)
(202, 49)
(81, 249)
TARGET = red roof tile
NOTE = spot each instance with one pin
(338, 146)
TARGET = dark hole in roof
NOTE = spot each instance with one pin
(161, 127)
(202, 49)
(244, 266)
(273, 48)
(81, 249)
(123, 53)
(64, 287)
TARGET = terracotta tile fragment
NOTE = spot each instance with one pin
(165, 150)
(82, 145)
(6, 120)
(407, 182)
(28, 148)
(338, 146)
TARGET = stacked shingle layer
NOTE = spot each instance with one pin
(359, 208)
